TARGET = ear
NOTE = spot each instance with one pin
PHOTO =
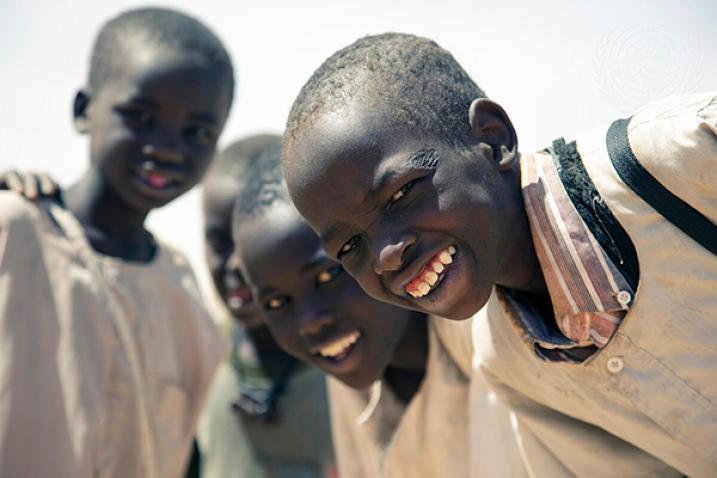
(80, 107)
(490, 125)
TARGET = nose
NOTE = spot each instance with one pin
(312, 322)
(232, 274)
(162, 153)
(391, 254)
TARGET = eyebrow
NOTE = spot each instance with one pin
(314, 261)
(204, 118)
(143, 101)
(422, 159)
(201, 116)
(264, 291)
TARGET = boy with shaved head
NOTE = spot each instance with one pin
(106, 349)
(413, 179)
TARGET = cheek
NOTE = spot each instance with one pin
(288, 340)
(214, 261)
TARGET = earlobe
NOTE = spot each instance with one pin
(80, 106)
(491, 125)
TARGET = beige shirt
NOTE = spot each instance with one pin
(645, 404)
(104, 364)
(375, 435)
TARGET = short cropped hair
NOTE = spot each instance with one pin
(240, 158)
(154, 26)
(422, 84)
(264, 186)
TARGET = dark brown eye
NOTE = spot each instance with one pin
(328, 275)
(398, 195)
(276, 303)
(201, 134)
(348, 246)
(136, 117)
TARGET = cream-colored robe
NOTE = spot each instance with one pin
(428, 437)
(646, 404)
(104, 364)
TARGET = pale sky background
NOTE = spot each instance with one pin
(558, 67)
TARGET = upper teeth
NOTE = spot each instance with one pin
(429, 276)
(340, 345)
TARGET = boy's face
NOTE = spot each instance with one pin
(153, 129)
(315, 310)
(219, 198)
(417, 223)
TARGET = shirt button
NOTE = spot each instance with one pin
(624, 298)
(615, 364)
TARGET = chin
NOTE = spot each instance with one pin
(358, 382)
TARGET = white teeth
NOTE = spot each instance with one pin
(430, 277)
(423, 288)
(445, 258)
(340, 345)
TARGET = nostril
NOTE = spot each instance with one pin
(314, 324)
(163, 154)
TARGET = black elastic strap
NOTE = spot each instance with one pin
(685, 217)
(594, 212)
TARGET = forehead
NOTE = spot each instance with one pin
(337, 161)
(218, 197)
(276, 243)
(170, 75)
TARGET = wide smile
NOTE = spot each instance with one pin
(431, 275)
(339, 354)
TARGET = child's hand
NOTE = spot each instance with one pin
(29, 185)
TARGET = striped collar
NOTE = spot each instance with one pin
(589, 295)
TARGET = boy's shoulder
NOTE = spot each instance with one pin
(16, 211)
(675, 139)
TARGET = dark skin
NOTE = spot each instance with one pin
(399, 198)
(220, 194)
(153, 132)
(310, 304)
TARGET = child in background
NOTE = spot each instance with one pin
(263, 400)
(396, 157)
(399, 398)
(107, 351)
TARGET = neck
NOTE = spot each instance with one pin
(263, 340)
(412, 351)
(523, 272)
(407, 368)
(112, 226)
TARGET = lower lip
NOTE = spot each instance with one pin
(346, 362)
(238, 301)
(168, 191)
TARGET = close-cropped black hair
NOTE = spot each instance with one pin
(263, 186)
(153, 26)
(240, 158)
(420, 83)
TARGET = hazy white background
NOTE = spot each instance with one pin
(557, 67)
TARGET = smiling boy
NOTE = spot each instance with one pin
(107, 351)
(414, 182)
(263, 401)
(398, 397)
